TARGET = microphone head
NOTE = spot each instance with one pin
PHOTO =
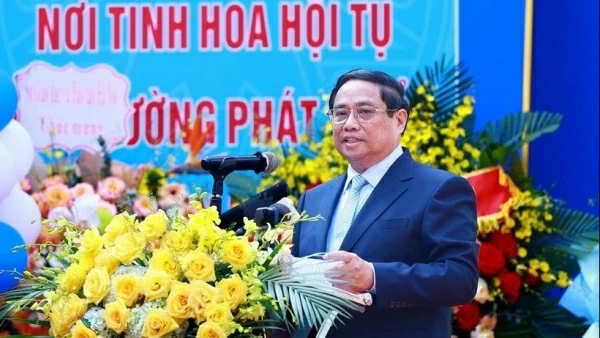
(272, 162)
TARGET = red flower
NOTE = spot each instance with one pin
(510, 285)
(491, 260)
(505, 242)
(312, 185)
(532, 280)
(468, 316)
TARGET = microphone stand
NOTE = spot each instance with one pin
(219, 175)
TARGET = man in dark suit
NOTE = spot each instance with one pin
(405, 232)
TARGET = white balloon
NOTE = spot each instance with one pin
(20, 211)
(19, 144)
(6, 172)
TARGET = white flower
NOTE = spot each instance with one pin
(57, 213)
(483, 293)
(84, 210)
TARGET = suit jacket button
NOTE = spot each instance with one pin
(398, 304)
(411, 304)
(391, 304)
(404, 304)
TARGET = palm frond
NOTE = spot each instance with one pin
(549, 319)
(575, 232)
(517, 129)
(21, 297)
(449, 82)
(310, 301)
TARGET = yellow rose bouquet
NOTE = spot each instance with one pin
(174, 277)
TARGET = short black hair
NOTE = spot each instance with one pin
(392, 92)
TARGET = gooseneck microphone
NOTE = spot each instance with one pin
(258, 162)
(234, 217)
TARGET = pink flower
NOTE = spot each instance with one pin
(172, 193)
(111, 188)
(107, 206)
(82, 189)
(25, 185)
(58, 195)
(144, 206)
(53, 180)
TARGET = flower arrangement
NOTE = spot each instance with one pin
(173, 276)
(529, 242)
(90, 193)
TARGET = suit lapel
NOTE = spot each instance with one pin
(394, 183)
(328, 203)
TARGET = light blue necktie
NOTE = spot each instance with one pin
(347, 213)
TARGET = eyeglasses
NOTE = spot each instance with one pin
(361, 114)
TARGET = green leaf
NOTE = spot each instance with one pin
(575, 232)
(310, 301)
(450, 82)
(517, 129)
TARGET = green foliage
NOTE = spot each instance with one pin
(448, 82)
(575, 232)
(517, 129)
(309, 305)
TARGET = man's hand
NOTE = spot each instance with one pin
(352, 269)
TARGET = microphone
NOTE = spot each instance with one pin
(258, 162)
(274, 213)
(235, 216)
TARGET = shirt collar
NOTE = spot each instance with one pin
(375, 173)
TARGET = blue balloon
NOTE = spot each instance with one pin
(8, 99)
(11, 261)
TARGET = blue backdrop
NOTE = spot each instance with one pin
(565, 80)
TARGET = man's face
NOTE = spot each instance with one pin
(364, 144)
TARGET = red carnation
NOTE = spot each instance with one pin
(468, 316)
(505, 242)
(491, 260)
(510, 285)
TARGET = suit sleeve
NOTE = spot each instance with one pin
(450, 276)
(297, 228)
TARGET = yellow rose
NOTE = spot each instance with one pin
(238, 253)
(82, 331)
(154, 225)
(233, 290)
(97, 284)
(177, 241)
(65, 312)
(201, 296)
(128, 247)
(105, 260)
(156, 284)
(199, 265)
(120, 224)
(116, 315)
(58, 327)
(127, 288)
(91, 242)
(210, 329)
(86, 260)
(178, 301)
(219, 313)
(73, 278)
(158, 323)
(164, 260)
